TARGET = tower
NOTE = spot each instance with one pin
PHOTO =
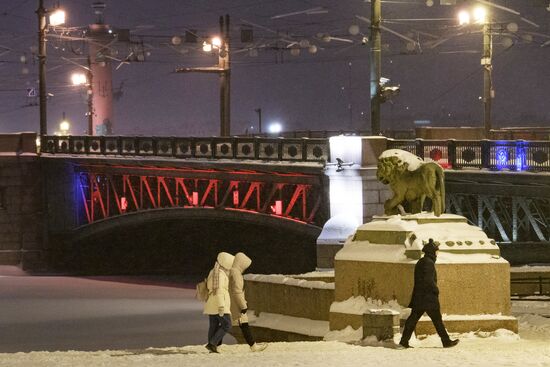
(100, 36)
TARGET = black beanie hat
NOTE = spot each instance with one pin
(430, 247)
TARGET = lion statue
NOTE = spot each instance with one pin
(412, 181)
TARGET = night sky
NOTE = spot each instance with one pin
(327, 90)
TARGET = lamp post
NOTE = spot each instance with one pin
(223, 69)
(225, 78)
(375, 66)
(488, 91)
(41, 12)
(480, 17)
(56, 18)
(90, 96)
(259, 112)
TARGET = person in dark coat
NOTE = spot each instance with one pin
(425, 297)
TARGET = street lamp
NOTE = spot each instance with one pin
(275, 128)
(259, 112)
(57, 17)
(79, 79)
(375, 65)
(223, 69)
(64, 127)
(480, 17)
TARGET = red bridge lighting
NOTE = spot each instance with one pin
(108, 191)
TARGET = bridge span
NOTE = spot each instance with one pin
(95, 190)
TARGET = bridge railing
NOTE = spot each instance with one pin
(276, 149)
(513, 155)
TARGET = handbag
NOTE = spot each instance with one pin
(201, 291)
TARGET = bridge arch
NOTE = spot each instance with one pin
(105, 226)
(186, 241)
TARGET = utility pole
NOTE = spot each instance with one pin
(488, 92)
(90, 95)
(375, 66)
(223, 69)
(41, 12)
(259, 111)
(225, 78)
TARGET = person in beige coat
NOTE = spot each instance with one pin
(239, 306)
(218, 304)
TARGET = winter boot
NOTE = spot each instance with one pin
(211, 348)
(450, 343)
(404, 345)
(258, 347)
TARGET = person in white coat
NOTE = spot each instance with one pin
(218, 304)
(239, 306)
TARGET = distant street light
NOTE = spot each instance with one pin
(275, 128)
(78, 79)
(216, 42)
(480, 16)
(206, 47)
(57, 17)
(64, 127)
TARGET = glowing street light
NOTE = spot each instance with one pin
(480, 15)
(206, 47)
(79, 79)
(463, 17)
(216, 42)
(57, 17)
(275, 128)
(64, 127)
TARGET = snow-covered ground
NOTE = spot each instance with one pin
(501, 348)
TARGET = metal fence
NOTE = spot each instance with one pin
(276, 149)
(535, 286)
(512, 155)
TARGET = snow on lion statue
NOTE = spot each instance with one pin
(412, 181)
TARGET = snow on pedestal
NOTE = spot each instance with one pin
(335, 232)
(378, 263)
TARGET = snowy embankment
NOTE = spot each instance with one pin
(501, 348)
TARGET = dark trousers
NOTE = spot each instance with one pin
(416, 314)
(218, 327)
(247, 333)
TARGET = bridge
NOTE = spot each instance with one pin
(92, 186)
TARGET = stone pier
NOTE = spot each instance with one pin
(20, 201)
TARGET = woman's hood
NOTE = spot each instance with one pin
(242, 262)
(225, 260)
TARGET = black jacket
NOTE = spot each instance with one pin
(425, 292)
